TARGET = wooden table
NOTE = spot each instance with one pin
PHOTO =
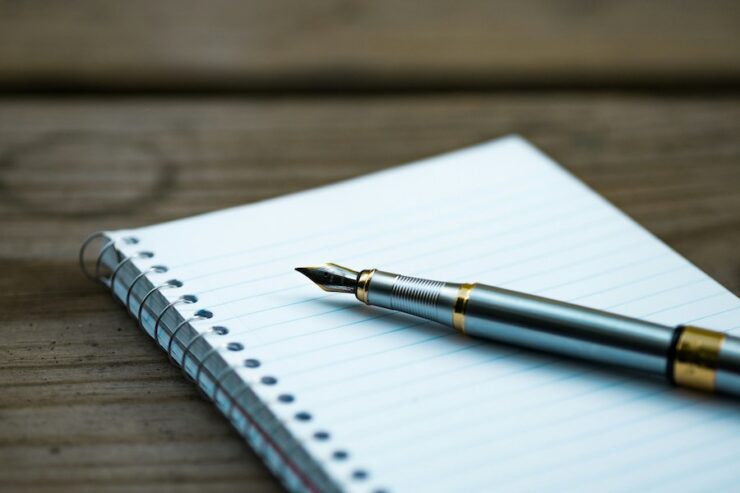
(118, 117)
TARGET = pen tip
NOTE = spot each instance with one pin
(331, 277)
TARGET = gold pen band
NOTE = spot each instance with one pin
(696, 358)
(461, 305)
(363, 284)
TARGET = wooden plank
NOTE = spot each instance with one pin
(88, 403)
(331, 44)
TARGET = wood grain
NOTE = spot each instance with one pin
(87, 403)
(339, 44)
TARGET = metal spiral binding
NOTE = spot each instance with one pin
(185, 353)
(187, 299)
(173, 337)
(98, 261)
(96, 276)
(81, 256)
(172, 283)
(199, 315)
(218, 380)
(111, 282)
(159, 269)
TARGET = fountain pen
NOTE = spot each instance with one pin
(685, 355)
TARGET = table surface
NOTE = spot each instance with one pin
(87, 402)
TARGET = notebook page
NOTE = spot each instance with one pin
(414, 405)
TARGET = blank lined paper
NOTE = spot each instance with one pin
(415, 406)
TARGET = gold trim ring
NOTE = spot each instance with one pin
(363, 284)
(697, 354)
(461, 305)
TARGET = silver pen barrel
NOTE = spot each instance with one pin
(688, 356)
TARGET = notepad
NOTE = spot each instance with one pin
(338, 396)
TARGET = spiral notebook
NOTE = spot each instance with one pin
(338, 396)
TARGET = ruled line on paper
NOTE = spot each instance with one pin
(462, 387)
(672, 270)
(729, 310)
(651, 294)
(573, 374)
(253, 280)
(330, 242)
(655, 434)
(474, 444)
(533, 179)
(590, 434)
(708, 464)
(510, 480)
(693, 301)
(448, 207)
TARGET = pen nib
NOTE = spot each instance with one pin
(332, 277)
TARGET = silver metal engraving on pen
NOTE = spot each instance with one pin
(686, 355)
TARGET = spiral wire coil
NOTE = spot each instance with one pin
(110, 282)
(187, 348)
